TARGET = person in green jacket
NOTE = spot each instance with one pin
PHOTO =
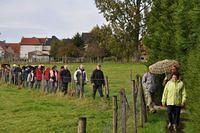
(174, 96)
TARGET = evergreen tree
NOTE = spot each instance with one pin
(183, 34)
(192, 74)
(160, 38)
(55, 44)
(77, 40)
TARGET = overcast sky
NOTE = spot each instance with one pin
(44, 18)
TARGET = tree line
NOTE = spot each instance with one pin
(120, 38)
(168, 28)
(173, 32)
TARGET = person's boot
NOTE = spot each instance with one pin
(93, 96)
(169, 126)
(65, 93)
(152, 110)
(174, 127)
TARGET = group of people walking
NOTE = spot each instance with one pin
(173, 97)
(53, 79)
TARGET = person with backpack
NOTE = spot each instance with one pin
(53, 79)
(65, 76)
(80, 79)
(97, 80)
(46, 79)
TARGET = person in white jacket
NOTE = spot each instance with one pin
(31, 79)
(53, 79)
(80, 78)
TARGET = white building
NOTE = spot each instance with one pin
(1, 52)
(32, 44)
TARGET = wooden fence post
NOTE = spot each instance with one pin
(141, 108)
(82, 125)
(123, 110)
(115, 107)
(144, 109)
(134, 107)
(107, 91)
(131, 75)
(143, 114)
(136, 86)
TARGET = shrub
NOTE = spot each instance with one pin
(110, 59)
(192, 77)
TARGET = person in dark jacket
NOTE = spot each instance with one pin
(65, 76)
(22, 77)
(26, 72)
(97, 80)
(54, 79)
(18, 72)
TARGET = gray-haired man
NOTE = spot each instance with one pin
(149, 85)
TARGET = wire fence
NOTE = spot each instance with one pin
(127, 118)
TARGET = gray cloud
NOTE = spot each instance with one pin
(42, 18)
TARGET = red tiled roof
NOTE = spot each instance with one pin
(32, 41)
(2, 44)
(42, 40)
(14, 46)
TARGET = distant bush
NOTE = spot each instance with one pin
(109, 59)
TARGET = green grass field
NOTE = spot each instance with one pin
(24, 110)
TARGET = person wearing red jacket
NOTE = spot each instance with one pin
(46, 78)
(38, 77)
